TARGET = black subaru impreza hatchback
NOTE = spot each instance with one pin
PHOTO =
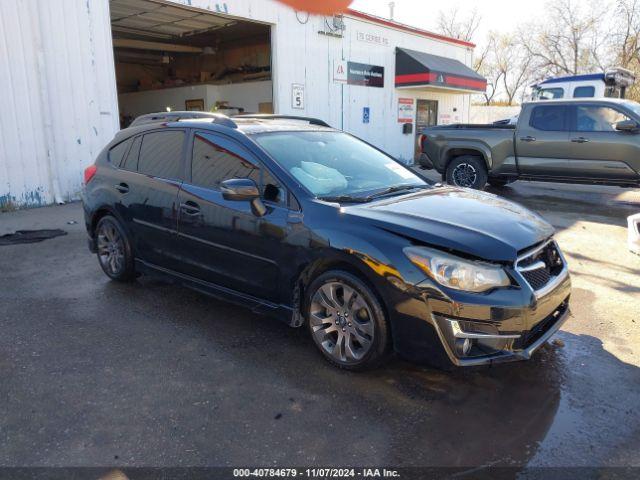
(290, 217)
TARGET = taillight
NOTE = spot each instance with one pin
(422, 141)
(89, 173)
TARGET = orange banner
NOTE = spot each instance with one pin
(320, 7)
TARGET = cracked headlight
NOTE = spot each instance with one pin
(457, 273)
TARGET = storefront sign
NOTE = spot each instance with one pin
(406, 110)
(297, 96)
(366, 115)
(340, 71)
(365, 75)
(373, 38)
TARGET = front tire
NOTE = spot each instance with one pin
(346, 321)
(468, 172)
(114, 250)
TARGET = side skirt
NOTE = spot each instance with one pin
(281, 312)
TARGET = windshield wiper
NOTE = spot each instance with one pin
(396, 189)
(345, 199)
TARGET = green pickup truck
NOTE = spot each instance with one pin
(570, 141)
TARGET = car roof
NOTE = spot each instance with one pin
(617, 101)
(247, 124)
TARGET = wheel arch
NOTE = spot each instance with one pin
(455, 151)
(338, 261)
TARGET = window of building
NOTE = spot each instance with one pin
(161, 154)
(550, 118)
(594, 118)
(584, 92)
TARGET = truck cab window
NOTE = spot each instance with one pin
(549, 118)
(584, 92)
(594, 118)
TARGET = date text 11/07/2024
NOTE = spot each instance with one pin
(316, 473)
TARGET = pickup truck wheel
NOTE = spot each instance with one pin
(468, 172)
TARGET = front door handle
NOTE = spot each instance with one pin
(580, 140)
(528, 139)
(122, 187)
(190, 208)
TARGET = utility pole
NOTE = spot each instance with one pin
(392, 6)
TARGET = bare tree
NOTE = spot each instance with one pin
(486, 65)
(626, 40)
(570, 38)
(463, 27)
(514, 64)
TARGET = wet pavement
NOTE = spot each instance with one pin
(94, 373)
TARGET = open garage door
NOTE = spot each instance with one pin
(172, 57)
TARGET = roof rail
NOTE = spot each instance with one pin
(217, 118)
(266, 116)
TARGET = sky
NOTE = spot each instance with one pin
(497, 15)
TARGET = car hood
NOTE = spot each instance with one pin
(467, 221)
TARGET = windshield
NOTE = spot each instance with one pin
(335, 164)
(633, 106)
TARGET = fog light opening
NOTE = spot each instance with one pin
(464, 346)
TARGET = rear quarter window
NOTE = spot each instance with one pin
(117, 153)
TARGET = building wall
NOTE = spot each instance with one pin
(248, 95)
(303, 56)
(57, 97)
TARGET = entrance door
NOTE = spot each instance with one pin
(426, 116)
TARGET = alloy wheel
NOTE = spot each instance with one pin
(111, 249)
(342, 322)
(465, 175)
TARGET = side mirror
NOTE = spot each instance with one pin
(630, 126)
(239, 189)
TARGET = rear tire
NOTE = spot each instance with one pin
(114, 250)
(347, 322)
(467, 171)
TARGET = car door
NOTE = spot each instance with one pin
(149, 183)
(598, 150)
(225, 242)
(542, 141)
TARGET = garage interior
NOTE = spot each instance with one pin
(172, 57)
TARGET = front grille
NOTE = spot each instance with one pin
(537, 332)
(541, 266)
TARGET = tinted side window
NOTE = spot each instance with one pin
(212, 163)
(550, 118)
(161, 154)
(131, 162)
(117, 153)
(584, 92)
(272, 189)
(594, 118)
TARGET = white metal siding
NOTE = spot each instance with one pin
(58, 97)
(58, 100)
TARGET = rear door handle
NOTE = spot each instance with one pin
(528, 139)
(190, 208)
(122, 187)
(580, 140)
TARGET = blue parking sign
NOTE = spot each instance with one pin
(366, 115)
